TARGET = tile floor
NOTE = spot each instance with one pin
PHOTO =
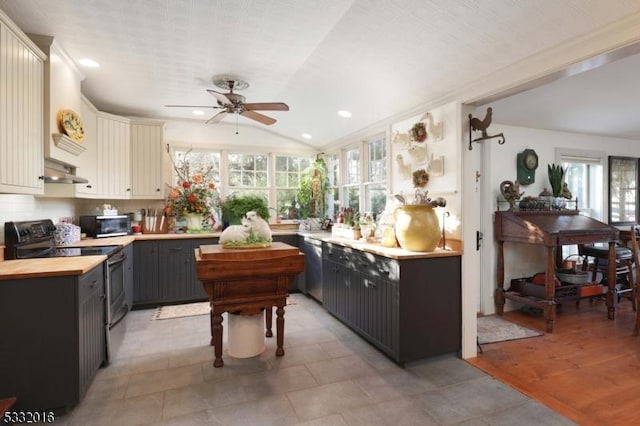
(163, 375)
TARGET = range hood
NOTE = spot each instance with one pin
(59, 172)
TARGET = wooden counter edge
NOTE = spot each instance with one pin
(48, 267)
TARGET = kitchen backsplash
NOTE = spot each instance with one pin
(27, 207)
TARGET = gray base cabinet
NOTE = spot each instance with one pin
(165, 272)
(409, 309)
(53, 339)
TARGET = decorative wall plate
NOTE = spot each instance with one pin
(70, 124)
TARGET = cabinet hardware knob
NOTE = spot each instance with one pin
(41, 177)
(89, 186)
(157, 189)
(128, 189)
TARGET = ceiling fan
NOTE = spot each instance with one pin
(233, 103)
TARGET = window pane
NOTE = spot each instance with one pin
(281, 180)
(248, 162)
(281, 164)
(376, 198)
(261, 180)
(235, 162)
(235, 179)
(353, 166)
(623, 173)
(248, 179)
(261, 163)
(352, 197)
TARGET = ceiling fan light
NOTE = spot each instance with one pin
(306, 136)
(344, 113)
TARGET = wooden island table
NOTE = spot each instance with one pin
(245, 281)
(552, 229)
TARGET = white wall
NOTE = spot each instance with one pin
(406, 156)
(27, 207)
(521, 259)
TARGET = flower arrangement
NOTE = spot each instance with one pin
(195, 191)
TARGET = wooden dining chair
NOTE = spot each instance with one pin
(636, 283)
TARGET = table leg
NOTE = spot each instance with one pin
(268, 319)
(212, 343)
(611, 281)
(280, 330)
(217, 337)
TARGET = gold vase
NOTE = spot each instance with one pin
(417, 227)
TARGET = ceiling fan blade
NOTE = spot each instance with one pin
(217, 118)
(193, 106)
(258, 117)
(267, 106)
(221, 97)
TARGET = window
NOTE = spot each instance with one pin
(333, 193)
(623, 190)
(288, 171)
(351, 188)
(199, 160)
(248, 173)
(375, 185)
(585, 180)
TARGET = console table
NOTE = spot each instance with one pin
(245, 281)
(551, 229)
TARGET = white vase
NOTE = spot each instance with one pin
(194, 221)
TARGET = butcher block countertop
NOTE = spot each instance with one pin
(48, 267)
(34, 268)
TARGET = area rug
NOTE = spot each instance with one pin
(184, 310)
(493, 328)
(189, 310)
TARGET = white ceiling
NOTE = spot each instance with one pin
(376, 58)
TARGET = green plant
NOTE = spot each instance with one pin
(556, 178)
(312, 194)
(237, 205)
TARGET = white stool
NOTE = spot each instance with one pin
(245, 335)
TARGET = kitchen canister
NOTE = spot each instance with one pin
(66, 234)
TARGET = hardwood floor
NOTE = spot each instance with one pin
(588, 369)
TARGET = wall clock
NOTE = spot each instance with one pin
(527, 163)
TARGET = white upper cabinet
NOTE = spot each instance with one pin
(21, 111)
(113, 156)
(87, 162)
(146, 159)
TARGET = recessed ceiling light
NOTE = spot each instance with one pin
(87, 62)
(306, 135)
(344, 113)
(197, 112)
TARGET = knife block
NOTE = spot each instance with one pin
(154, 225)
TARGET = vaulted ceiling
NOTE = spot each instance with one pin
(375, 58)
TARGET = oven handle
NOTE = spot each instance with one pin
(117, 258)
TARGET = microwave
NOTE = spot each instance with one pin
(105, 226)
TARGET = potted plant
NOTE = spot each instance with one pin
(237, 205)
(556, 179)
(312, 194)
